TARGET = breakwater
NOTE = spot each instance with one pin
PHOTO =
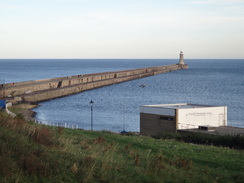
(46, 89)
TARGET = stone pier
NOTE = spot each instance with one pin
(46, 89)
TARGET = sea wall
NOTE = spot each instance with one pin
(46, 89)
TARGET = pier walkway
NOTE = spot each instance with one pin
(46, 89)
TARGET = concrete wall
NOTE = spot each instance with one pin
(59, 92)
(151, 124)
(40, 90)
(8, 111)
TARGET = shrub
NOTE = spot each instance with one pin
(34, 165)
(43, 135)
(231, 141)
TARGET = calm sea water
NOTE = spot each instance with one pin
(116, 107)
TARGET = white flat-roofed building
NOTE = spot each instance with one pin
(160, 118)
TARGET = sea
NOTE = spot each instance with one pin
(116, 107)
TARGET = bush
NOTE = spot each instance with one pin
(44, 136)
(231, 141)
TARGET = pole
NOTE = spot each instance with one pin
(91, 103)
(91, 119)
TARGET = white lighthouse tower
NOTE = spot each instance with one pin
(181, 62)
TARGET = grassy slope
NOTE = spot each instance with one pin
(34, 153)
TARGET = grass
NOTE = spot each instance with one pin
(33, 153)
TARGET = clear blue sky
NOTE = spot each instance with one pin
(121, 28)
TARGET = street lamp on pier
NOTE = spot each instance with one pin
(91, 104)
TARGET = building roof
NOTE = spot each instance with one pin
(180, 106)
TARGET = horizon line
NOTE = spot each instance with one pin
(118, 58)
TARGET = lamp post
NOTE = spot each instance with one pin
(91, 104)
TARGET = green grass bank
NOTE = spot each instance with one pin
(34, 153)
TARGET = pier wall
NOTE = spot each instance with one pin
(46, 89)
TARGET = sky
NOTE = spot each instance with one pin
(122, 29)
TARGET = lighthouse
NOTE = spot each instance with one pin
(181, 62)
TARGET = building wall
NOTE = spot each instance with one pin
(153, 124)
(194, 117)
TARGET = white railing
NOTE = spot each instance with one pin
(59, 124)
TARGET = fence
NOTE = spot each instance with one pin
(59, 124)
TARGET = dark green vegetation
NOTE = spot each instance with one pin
(35, 153)
(232, 141)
